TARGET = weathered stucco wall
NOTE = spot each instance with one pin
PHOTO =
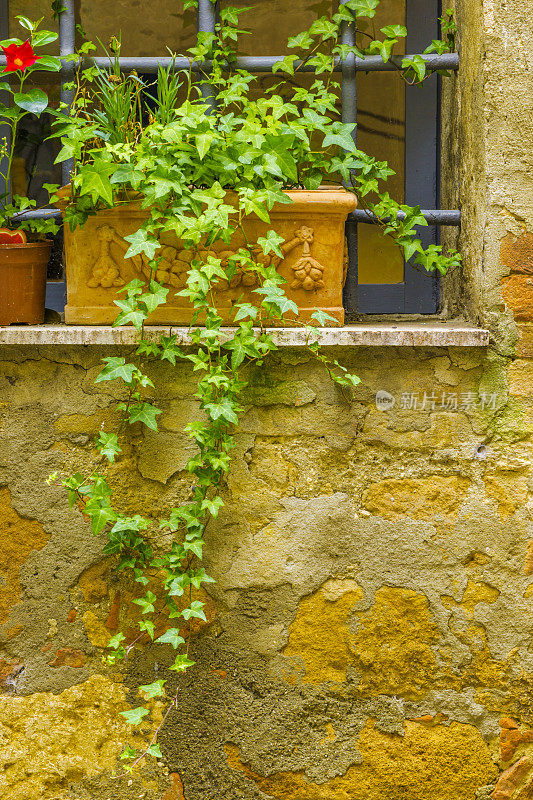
(488, 170)
(371, 621)
(369, 636)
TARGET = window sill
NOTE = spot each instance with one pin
(383, 334)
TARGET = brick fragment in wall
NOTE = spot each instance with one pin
(509, 780)
(93, 582)
(416, 498)
(517, 289)
(111, 622)
(58, 739)
(175, 790)
(526, 793)
(68, 657)
(511, 736)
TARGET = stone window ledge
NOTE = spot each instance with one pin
(388, 334)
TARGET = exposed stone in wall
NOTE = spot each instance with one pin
(319, 636)
(20, 537)
(393, 644)
(51, 741)
(393, 766)
(419, 498)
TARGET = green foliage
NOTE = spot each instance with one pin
(180, 161)
(25, 101)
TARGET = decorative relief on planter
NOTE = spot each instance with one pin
(313, 261)
(105, 271)
(308, 272)
(174, 265)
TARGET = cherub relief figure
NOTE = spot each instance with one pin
(106, 270)
(308, 272)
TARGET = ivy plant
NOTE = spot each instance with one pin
(202, 151)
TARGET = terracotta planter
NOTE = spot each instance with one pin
(23, 282)
(313, 262)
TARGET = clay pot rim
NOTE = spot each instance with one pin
(24, 245)
(64, 193)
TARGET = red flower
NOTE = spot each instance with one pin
(19, 56)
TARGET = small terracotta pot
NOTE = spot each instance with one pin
(23, 282)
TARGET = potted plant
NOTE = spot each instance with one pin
(22, 263)
(128, 178)
(212, 175)
(147, 158)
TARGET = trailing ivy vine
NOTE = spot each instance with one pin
(202, 157)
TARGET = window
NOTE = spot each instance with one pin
(395, 122)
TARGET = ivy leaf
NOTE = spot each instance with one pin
(199, 577)
(271, 243)
(116, 367)
(322, 317)
(130, 312)
(100, 517)
(224, 409)
(417, 65)
(172, 637)
(146, 603)
(93, 180)
(280, 149)
(155, 751)
(181, 663)
(321, 62)
(194, 546)
(108, 445)
(156, 297)
(245, 310)
(286, 64)
(34, 101)
(213, 506)
(135, 715)
(155, 689)
(195, 610)
(383, 48)
(145, 413)
(170, 349)
(303, 40)
(148, 626)
(141, 242)
(394, 30)
(128, 754)
(341, 139)
(116, 640)
(203, 143)
(58, 8)
(127, 173)
(363, 8)
(324, 28)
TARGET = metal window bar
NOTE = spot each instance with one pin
(418, 293)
